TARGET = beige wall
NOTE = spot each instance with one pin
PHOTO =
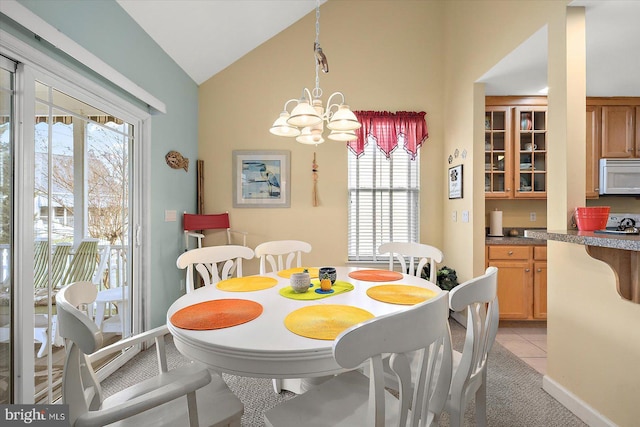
(429, 57)
(593, 344)
(379, 63)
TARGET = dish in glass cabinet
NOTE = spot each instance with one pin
(525, 166)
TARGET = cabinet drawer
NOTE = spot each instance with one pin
(509, 252)
(540, 253)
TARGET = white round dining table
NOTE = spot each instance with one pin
(264, 347)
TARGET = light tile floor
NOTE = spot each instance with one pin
(528, 341)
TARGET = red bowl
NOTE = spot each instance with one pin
(592, 218)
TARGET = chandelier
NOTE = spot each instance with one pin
(306, 120)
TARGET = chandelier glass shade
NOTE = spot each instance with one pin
(307, 119)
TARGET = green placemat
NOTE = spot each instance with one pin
(338, 288)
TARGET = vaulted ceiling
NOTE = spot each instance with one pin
(205, 36)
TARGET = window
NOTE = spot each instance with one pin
(384, 199)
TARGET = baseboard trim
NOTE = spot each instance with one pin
(576, 405)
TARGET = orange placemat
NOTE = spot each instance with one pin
(376, 275)
(313, 272)
(324, 322)
(337, 288)
(400, 294)
(247, 284)
(216, 314)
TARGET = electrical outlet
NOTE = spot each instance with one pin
(170, 216)
(465, 216)
(454, 216)
(532, 217)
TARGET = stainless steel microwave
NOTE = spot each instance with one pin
(620, 176)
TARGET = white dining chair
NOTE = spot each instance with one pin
(281, 254)
(412, 257)
(275, 256)
(353, 399)
(213, 263)
(189, 393)
(479, 298)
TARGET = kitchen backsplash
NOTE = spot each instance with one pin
(527, 214)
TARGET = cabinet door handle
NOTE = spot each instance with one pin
(526, 270)
(510, 253)
(539, 270)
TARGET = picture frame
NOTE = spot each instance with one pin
(261, 179)
(455, 182)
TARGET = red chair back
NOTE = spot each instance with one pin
(206, 222)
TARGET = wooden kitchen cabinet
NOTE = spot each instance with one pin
(593, 152)
(539, 282)
(497, 148)
(530, 153)
(515, 147)
(619, 131)
(522, 280)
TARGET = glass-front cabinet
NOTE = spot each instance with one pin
(497, 152)
(515, 148)
(530, 147)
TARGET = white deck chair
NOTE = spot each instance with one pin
(353, 399)
(187, 394)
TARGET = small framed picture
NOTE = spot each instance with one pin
(455, 182)
(261, 179)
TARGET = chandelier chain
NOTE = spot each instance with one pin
(317, 92)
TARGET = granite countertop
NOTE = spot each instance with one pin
(490, 240)
(587, 238)
(514, 240)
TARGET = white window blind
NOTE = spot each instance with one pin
(384, 200)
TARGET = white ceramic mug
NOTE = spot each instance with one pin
(528, 147)
(300, 282)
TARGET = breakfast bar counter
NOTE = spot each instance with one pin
(620, 252)
(588, 238)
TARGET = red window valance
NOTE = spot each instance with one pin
(389, 130)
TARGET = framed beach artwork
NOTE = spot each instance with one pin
(261, 179)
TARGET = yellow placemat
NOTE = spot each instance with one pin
(324, 322)
(400, 294)
(247, 284)
(313, 272)
(338, 288)
(376, 275)
(216, 314)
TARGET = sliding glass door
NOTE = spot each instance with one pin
(7, 75)
(80, 221)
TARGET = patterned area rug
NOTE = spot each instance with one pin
(514, 389)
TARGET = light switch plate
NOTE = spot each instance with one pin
(465, 216)
(454, 216)
(170, 216)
